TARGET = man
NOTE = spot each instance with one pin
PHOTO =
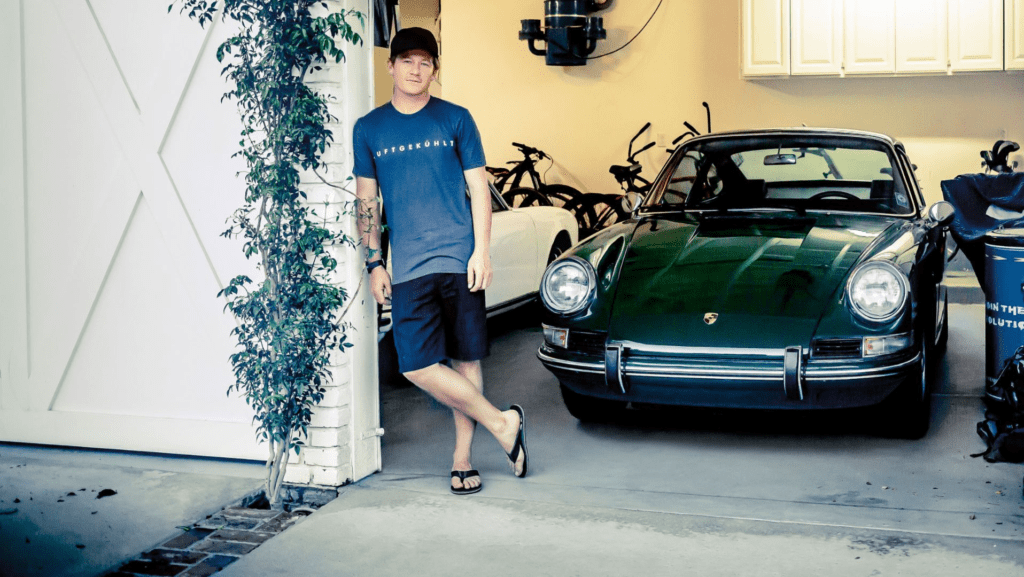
(423, 152)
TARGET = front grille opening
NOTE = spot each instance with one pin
(588, 341)
(837, 348)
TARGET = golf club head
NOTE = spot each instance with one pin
(1001, 151)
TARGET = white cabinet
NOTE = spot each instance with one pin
(839, 37)
(817, 36)
(976, 35)
(765, 37)
(870, 36)
(1014, 34)
(922, 29)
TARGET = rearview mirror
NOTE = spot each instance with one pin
(777, 159)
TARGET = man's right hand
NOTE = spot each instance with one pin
(380, 284)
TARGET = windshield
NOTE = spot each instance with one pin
(778, 172)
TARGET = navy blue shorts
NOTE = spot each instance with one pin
(435, 318)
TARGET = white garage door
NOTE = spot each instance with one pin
(116, 184)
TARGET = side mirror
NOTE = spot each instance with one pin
(941, 213)
(629, 204)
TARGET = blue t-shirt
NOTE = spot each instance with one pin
(418, 161)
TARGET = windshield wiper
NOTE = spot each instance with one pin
(763, 212)
(674, 207)
(788, 207)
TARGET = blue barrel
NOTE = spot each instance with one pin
(1004, 298)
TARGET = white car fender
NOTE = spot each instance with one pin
(548, 222)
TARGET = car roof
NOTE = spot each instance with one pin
(800, 130)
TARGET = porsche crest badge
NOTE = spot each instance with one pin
(710, 318)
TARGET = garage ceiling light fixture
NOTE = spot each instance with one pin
(570, 34)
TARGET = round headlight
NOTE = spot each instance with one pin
(877, 291)
(568, 285)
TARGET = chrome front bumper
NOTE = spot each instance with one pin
(682, 369)
(730, 377)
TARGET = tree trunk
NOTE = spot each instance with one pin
(277, 467)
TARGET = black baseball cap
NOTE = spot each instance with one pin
(413, 38)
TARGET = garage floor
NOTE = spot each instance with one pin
(829, 469)
(672, 493)
(787, 467)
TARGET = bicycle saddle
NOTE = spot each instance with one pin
(625, 172)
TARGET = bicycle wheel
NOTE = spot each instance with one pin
(525, 196)
(611, 209)
(560, 194)
(594, 212)
(583, 210)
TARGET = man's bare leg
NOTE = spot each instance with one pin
(465, 427)
(458, 393)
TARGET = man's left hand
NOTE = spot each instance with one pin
(479, 271)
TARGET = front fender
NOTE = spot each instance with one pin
(605, 252)
(904, 246)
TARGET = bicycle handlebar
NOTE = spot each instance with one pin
(682, 136)
(646, 126)
(528, 150)
(645, 147)
(632, 140)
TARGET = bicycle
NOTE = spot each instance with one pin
(628, 175)
(594, 212)
(510, 181)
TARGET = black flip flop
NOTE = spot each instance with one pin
(462, 475)
(520, 444)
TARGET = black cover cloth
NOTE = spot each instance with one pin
(971, 195)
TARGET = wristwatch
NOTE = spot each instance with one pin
(373, 264)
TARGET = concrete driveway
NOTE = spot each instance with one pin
(673, 492)
(56, 522)
(666, 493)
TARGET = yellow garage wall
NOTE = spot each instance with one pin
(585, 116)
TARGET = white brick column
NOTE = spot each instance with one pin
(343, 443)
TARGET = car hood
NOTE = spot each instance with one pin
(744, 281)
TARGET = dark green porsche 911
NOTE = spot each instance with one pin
(769, 269)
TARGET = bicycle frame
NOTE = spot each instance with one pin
(507, 179)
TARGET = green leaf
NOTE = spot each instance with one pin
(287, 321)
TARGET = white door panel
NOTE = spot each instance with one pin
(922, 33)
(1014, 34)
(114, 370)
(817, 42)
(111, 334)
(765, 42)
(870, 41)
(976, 34)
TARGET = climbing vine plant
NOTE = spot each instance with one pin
(290, 321)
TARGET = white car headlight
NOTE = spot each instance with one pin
(568, 285)
(877, 291)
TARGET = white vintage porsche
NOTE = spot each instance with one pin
(523, 242)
